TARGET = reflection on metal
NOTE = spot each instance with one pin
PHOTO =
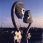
(27, 17)
(18, 36)
(28, 36)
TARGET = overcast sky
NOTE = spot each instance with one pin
(35, 6)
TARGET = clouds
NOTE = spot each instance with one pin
(7, 23)
(37, 22)
(0, 23)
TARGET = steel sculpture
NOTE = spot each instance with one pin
(18, 10)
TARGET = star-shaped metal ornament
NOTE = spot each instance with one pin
(28, 36)
(17, 36)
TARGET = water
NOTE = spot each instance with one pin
(30, 42)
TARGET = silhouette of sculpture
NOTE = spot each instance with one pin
(18, 9)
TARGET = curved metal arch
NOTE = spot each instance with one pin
(12, 16)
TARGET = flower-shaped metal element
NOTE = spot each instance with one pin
(28, 36)
(17, 36)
